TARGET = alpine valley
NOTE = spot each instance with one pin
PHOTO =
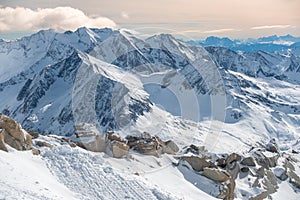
(214, 122)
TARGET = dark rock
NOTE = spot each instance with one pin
(295, 152)
(249, 161)
(43, 144)
(245, 169)
(221, 162)
(233, 157)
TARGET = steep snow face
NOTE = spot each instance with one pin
(18, 56)
(118, 82)
(117, 96)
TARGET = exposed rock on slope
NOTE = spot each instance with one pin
(88, 137)
(261, 169)
(13, 135)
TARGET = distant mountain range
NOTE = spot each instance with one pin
(270, 44)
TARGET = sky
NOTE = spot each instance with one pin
(195, 19)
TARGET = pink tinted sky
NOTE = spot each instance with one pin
(192, 18)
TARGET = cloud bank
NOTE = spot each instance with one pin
(59, 18)
(271, 27)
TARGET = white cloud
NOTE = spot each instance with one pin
(271, 27)
(221, 30)
(209, 31)
(59, 18)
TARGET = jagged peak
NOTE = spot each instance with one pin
(42, 34)
(162, 36)
(165, 39)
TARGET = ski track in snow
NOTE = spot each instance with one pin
(87, 175)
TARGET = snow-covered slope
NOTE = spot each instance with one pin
(66, 173)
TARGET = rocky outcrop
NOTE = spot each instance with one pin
(94, 143)
(13, 135)
(151, 145)
(262, 167)
(2, 143)
(89, 138)
(292, 176)
(117, 149)
(265, 158)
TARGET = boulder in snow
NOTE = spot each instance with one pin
(117, 149)
(233, 157)
(169, 147)
(215, 175)
(197, 163)
(249, 161)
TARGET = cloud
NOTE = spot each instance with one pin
(221, 30)
(209, 31)
(272, 27)
(59, 18)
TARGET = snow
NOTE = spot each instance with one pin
(46, 107)
(89, 174)
(73, 173)
(285, 191)
(25, 176)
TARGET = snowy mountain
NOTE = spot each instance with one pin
(53, 81)
(269, 44)
(225, 100)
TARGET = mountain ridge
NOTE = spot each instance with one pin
(271, 43)
(126, 79)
